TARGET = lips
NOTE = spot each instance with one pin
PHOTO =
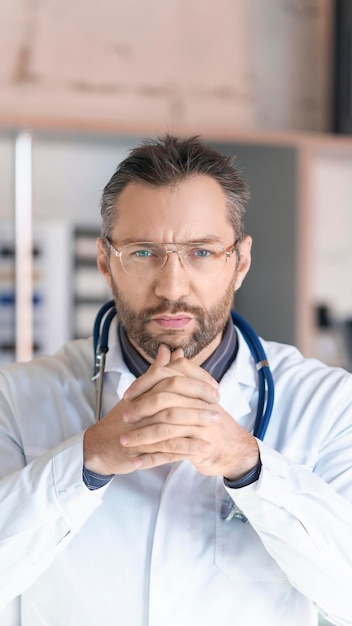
(177, 321)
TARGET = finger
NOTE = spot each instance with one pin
(178, 367)
(147, 381)
(147, 461)
(160, 432)
(155, 372)
(170, 394)
(172, 451)
(163, 356)
(188, 368)
(177, 354)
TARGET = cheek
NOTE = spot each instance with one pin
(135, 293)
(222, 286)
(217, 293)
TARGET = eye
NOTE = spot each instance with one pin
(143, 253)
(200, 253)
(139, 252)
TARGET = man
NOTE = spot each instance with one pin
(127, 520)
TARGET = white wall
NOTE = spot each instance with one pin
(193, 63)
(69, 175)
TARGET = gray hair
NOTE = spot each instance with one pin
(168, 161)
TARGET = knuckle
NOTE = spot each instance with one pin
(169, 416)
(200, 416)
(148, 460)
(159, 401)
(136, 437)
(173, 383)
(133, 438)
(134, 409)
(162, 431)
(172, 446)
(168, 457)
(163, 397)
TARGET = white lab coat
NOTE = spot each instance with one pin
(151, 549)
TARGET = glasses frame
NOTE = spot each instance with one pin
(179, 247)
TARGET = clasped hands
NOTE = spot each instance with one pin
(170, 413)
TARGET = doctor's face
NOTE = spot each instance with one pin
(182, 303)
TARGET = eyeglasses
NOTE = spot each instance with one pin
(146, 258)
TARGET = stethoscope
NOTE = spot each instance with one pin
(265, 380)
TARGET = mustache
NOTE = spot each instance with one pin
(171, 307)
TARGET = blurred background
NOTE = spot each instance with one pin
(269, 81)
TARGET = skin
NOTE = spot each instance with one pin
(172, 412)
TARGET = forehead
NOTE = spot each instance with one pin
(191, 210)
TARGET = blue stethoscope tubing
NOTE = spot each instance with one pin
(265, 379)
(266, 388)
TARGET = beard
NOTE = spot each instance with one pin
(209, 323)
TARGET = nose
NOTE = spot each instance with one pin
(172, 281)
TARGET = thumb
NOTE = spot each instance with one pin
(163, 356)
(177, 354)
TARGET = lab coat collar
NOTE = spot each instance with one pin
(115, 363)
(244, 367)
(114, 359)
(240, 375)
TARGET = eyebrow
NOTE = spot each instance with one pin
(204, 239)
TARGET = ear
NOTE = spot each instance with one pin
(102, 262)
(244, 262)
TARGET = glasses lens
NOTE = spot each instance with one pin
(141, 259)
(204, 258)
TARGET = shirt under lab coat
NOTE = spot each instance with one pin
(151, 548)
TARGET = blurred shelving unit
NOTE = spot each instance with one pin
(50, 302)
(90, 291)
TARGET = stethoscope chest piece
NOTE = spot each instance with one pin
(230, 510)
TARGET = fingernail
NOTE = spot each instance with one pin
(126, 417)
(137, 462)
(126, 394)
(124, 439)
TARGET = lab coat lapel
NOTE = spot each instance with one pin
(238, 387)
